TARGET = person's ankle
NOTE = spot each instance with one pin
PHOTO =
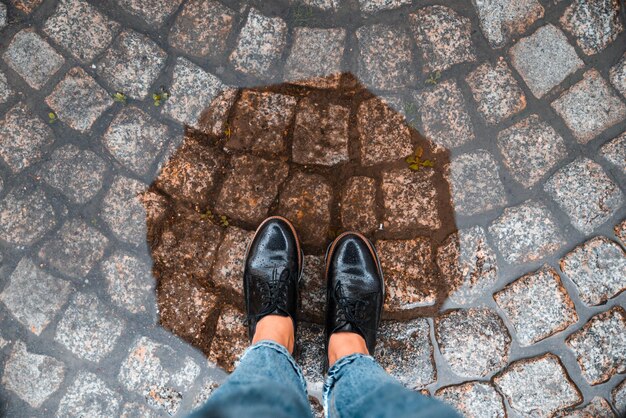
(276, 328)
(342, 344)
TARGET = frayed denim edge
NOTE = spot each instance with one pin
(282, 350)
(331, 378)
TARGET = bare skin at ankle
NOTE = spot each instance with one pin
(343, 344)
(275, 328)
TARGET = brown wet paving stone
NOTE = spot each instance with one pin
(598, 268)
(250, 187)
(468, 264)
(594, 23)
(230, 339)
(313, 289)
(213, 121)
(617, 75)
(75, 249)
(315, 57)
(383, 134)
(537, 305)
(358, 205)
(585, 193)
(261, 122)
(129, 282)
(229, 263)
(443, 37)
(600, 346)
(310, 354)
(320, 134)
(80, 29)
(620, 231)
(598, 407)
(25, 138)
(32, 58)
(77, 174)
(538, 386)
(474, 399)
(409, 200)
(501, 20)
(26, 6)
(123, 211)
(445, 120)
(26, 215)
(191, 174)
(474, 342)
(132, 64)
(614, 152)
(156, 206)
(589, 107)
(405, 351)
(202, 28)
(495, 91)
(306, 200)
(531, 148)
(154, 12)
(78, 100)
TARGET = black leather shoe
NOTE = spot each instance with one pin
(273, 267)
(355, 288)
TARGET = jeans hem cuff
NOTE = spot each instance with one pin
(282, 350)
(332, 377)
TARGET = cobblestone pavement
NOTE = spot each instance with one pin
(480, 144)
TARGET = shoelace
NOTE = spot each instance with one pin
(273, 293)
(351, 310)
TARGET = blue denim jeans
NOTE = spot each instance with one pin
(269, 383)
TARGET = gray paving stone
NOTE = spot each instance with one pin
(78, 174)
(527, 232)
(474, 399)
(475, 184)
(409, 200)
(131, 64)
(468, 264)
(617, 75)
(537, 305)
(600, 346)
(81, 29)
(75, 249)
(405, 351)
(585, 193)
(6, 92)
(3, 342)
(250, 188)
(598, 407)
(313, 288)
(615, 152)
(153, 12)
(594, 24)
(202, 28)
(230, 340)
(25, 216)
(500, 20)
(136, 139)
(259, 45)
(25, 138)
(88, 328)
(192, 92)
(358, 205)
(544, 59)
(443, 37)
(320, 134)
(89, 396)
(78, 100)
(129, 282)
(408, 267)
(530, 148)
(315, 57)
(272, 111)
(618, 395)
(385, 59)
(589, 107)
(598, 268)
(383, 133)
(310, 354)
(474, 342)
(137, 410)
(123, 212)
(445, 120)
(32, 377)
(33, 296)
(318, 4)
(497, 94)
(538, 386)
(205, 392)
(3, 15)
(228, 268)
(373, 6)
(32, 58)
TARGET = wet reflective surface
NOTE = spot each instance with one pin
(479, 145)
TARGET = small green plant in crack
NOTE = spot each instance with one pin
(52, 117)
(410, 111)
(160, 96)
(224, 221)
(207, 215)
(303, 15)
(227, 131)
(119, 97)
(434, 78)
(415, 161)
